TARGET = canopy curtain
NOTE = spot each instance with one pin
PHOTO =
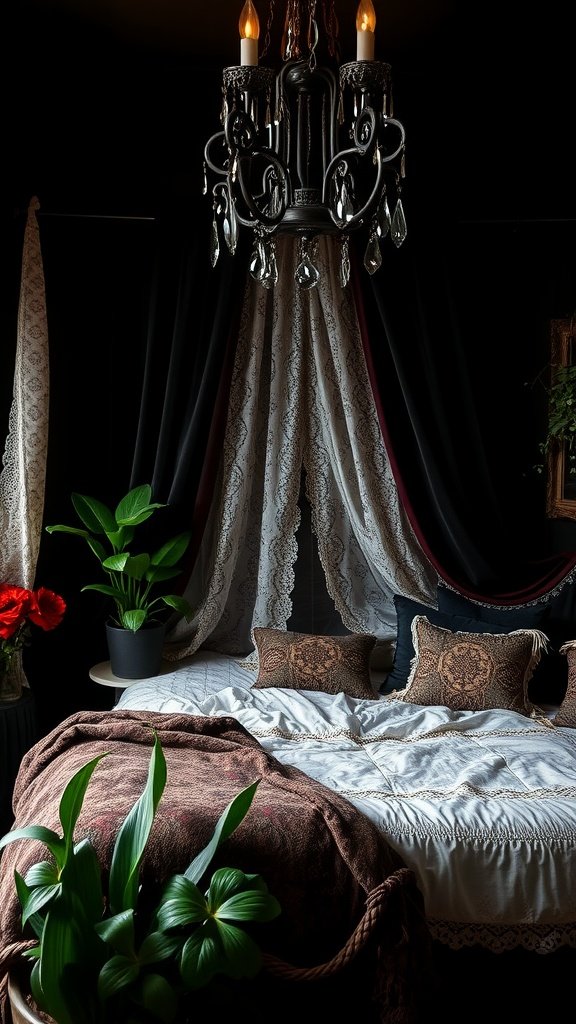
(192, 331)
(23, 476)
(300, 399)
(414, 348)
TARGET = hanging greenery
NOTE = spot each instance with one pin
(562, 415)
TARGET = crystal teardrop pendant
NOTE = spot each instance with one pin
(258, 261)
(270, 274)
(344, 205)
(307, 275)
(383, 218)
(230, 228)
(344, 262)
(275, 201)
(398, 227)
(372, 256)
(214, 244)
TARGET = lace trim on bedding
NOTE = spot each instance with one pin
(465, 790)
(501, 938)
(440, 732)
(533, 836)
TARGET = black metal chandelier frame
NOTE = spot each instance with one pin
(278, 168)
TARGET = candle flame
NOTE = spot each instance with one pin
(365, 16)
(248, 23)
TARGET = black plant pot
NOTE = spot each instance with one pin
(135, 655)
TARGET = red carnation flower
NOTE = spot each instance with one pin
(46, 609)
(15, 603)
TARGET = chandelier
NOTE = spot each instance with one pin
(277, 164)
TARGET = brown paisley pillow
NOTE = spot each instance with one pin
(566, 714)
(472, 671)
(302, 661)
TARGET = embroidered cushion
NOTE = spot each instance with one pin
(406, 610)
(553, 616)
(303, 661)
(472, 671)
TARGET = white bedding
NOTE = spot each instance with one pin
(481, 805)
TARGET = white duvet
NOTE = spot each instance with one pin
(481, 805)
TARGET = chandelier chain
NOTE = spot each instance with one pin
(268, 32)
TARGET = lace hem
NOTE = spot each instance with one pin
(542, 938)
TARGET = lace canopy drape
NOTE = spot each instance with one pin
(301, 399)
(23, 477)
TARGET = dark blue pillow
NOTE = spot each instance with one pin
(406, 609)
(533, 616)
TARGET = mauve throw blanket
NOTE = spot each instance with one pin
(323, 860)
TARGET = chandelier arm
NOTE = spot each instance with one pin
(216, 168)
(357, 218)
(397, 124)
(259, 216)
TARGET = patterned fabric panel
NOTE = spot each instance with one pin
(566, 715)
(472, 671)
(300, 661)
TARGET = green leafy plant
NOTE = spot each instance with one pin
(101, 958)
(134, 575)
(562, 415)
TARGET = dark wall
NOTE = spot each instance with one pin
(108, 132)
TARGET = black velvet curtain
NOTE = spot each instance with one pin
(192, 330)
(441, 426)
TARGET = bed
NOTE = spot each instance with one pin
(457, 781)
(481, 805)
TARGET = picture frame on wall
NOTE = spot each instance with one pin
(561, 464)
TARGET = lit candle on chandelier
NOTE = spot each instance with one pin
(249, 27)
(365, 26)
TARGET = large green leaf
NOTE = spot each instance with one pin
(51, 839)
(136, 506)
(157, 997)
(159, 573)
(230, 818)
(180, 604)
(159, 946)
(118, 932)
(171, 552)
(134, 566)
(73, 798)
(117, 973)
(60, 528)
(242, 956)
(202, 957)
(60, 946)
(133, 835)
(232, 896)
(181, 903)
(95, 515)
(134, 618)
